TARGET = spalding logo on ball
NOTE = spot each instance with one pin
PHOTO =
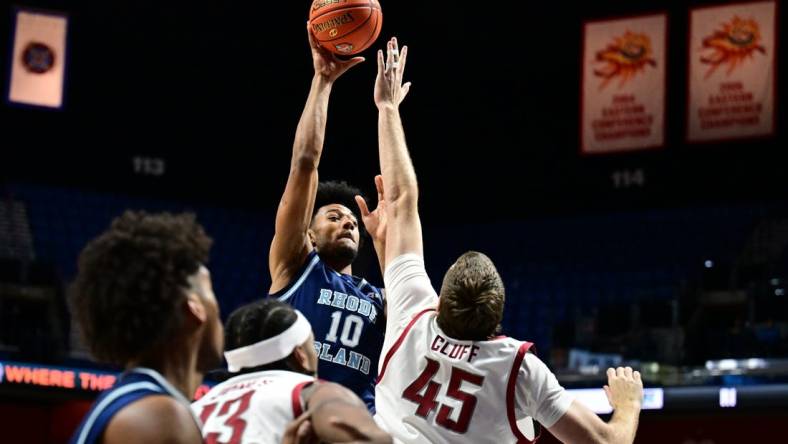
(346, 27)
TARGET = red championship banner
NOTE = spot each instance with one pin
(39, 59)
(623, 90)
(731, 71)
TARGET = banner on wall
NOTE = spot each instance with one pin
(732, 76)
(623, 84)
(38, 59)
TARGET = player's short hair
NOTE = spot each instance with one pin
(255, 322)
(131, 281)
(471, 299)
(339, 192)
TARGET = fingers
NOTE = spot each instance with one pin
(389, 57)
(379, 187)
(623, 373)
(403, 59)
(297, 430)
(304, 434)
(405, 89)
(637, 377)
(311, 37)
(609, 395)
(395, 52)
(362, 206)
(356, 60)
(381, 64)
(390, 71)
(347, 62)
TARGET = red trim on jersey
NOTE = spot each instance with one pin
(401, 338)
(510, 386)
(295, 398)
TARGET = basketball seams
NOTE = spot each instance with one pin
(376, 32)
(336, 6)
(360, 25)
(343, 17)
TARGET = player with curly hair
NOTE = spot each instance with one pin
(144, 302)
(447, 375)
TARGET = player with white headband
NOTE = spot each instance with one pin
(272, 362)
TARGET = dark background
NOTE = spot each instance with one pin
(216, 88)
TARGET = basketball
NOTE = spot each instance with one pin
(345, 27)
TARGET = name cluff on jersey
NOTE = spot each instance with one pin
(452, 349)
(334, 22)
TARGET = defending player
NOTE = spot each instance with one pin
(447, 377)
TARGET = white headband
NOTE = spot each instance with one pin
(271, 349)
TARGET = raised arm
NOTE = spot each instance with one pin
(403, 232)
(375, 222)
(580, 425)
(290, 245)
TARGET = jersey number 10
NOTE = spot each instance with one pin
(427, 402)
(351, 329)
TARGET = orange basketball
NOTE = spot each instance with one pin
(346, 27)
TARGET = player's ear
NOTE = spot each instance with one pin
(311, 235)
(194, 307)
(300, 359)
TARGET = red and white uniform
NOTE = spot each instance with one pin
(251, 408)
(435, 389)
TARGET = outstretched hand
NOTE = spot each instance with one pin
(624, 387)
(326, 64)
(375, 221)
(389, 90)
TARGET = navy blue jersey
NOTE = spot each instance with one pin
(346, 314)
(131, 386)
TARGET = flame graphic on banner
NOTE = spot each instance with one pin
(624, 58)
(734, 43)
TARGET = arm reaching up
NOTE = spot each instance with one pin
(403, 232)
(375, 222)
(291, 245)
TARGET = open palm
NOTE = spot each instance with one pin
(375, 221)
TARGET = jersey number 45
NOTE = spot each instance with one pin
(427, 402)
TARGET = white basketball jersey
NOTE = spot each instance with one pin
(434, 389)
(251, 408)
